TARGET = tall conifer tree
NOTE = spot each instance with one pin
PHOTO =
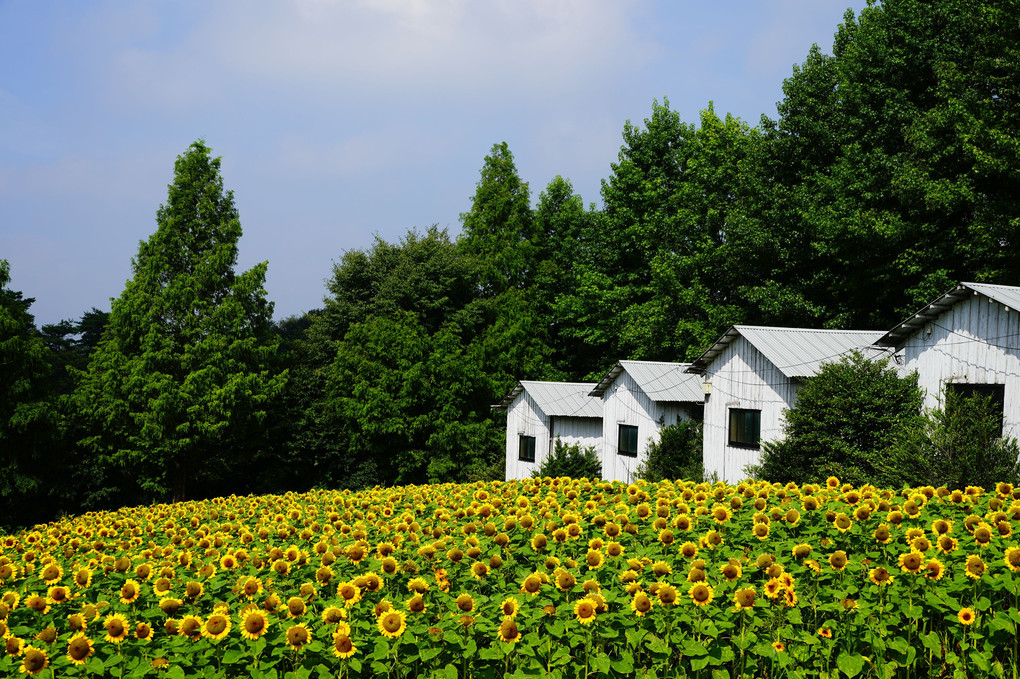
(175, 395)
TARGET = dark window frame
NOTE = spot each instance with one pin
(751, 438)
(631, 431)
(525, 444)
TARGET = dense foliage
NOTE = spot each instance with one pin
(553, 578)
(891, 171)
(677, 454)
(177, 390)
(29, 423)
(570, 460)
(844, 422)
(959, 444)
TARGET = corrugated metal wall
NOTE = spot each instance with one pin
(742, 377)
(584, 431)
(974, 342)
(525, 417)
(625, 403)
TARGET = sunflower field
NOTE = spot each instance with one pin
(540, 577)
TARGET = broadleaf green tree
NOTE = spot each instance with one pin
(399, 368)
(29, 422)
(891, 171)
(653, 281)
(174, 399)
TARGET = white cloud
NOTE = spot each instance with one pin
(351, 49)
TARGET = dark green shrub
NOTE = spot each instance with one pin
(957, 446)
(676, 455)
(570, 460)
(844, 420)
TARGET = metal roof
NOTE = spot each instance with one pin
(557, 399)
(661, 381)
(797, 352)
(1003, 294)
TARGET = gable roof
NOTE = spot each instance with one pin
(1007, 295)
(556, 399)
(797, 352)
(661, 381)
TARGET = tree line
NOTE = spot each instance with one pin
(890, 172)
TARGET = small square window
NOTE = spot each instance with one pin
(745, 428)
(526, 448)
(628, 443)
(996, 393)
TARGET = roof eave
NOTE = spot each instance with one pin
(700, 364)
(509, 398)
(919, 319)
(607, 379)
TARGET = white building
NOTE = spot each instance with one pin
(750, 376)
(635, 400)
(539, 412)
(968, 340)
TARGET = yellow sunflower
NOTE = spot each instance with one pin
(349, 592)
(773, 588)
(744, 598)
(33, 660)
(584, 609)
(667, 594)
(296, 607)
(975, 567)
(332, 615)
(13, 645)
(640, 604)
(1012, 558)
(532, 584)
(216, 626)
(297, 636)
(143, 631)
(79, 648)
(343, 647)
(191, 627)
(966, 616)
(509, 607)
(51, 573)
(479, 570)
(392, 623)
(129, 592)
(254, 623)
(880, 576)
(416, 604)
(934, 570)
(82, 578)
(701, 594)
(161, 587)
(58, 594)
(465, 603)
(911, 562)
(947, 544)
(116, 627)
(509, 632)
(193, 589)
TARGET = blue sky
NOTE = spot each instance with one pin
(340, 120)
